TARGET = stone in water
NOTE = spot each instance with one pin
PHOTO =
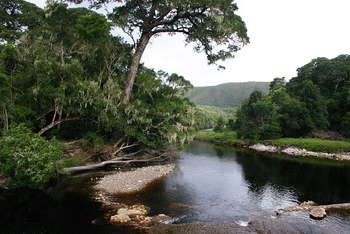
(318, 213)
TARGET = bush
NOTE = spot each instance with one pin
(93, 140)
(220, 125)
(28, 159)
(271, 131)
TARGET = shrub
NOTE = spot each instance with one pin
(93, 140)
(28, 159)
(220, 125)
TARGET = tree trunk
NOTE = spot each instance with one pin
(5, 117)
(53, 124)
(141, 46)
(115, 163)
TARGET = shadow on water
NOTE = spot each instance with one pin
(66, 208)
(322, 183)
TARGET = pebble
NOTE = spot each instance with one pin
(132, 181)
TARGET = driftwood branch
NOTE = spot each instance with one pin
(123, 148)
(53, 124)
(115, 163)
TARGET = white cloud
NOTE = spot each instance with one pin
(40, 3)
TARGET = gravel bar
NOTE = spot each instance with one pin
(133, 181)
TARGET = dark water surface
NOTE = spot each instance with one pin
(214, 184)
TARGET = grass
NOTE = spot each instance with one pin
(314, 144)
(311, 144)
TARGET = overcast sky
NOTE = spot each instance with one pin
(284, 35)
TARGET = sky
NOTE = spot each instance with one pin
(284, 35)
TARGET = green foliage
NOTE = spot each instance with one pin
(91, 139)
(258, 118)
(313, 144)
(219, 137)
(332, 77)
(93, 27)
(66, 78)
(271, 130)
(204, 23)
(207, 116)
(220, 125)
(27, 159)
(317, 99)
(77, 160)
(16, 16)
(345, 125)
(277, 83)
(157, 115)
(225, 95)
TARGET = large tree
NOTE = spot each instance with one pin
(212, 25)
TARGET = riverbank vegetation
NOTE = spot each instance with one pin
(65, 76)
(313, 104)
(207, 117)
(228, 137)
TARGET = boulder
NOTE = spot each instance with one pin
(318, 213)
(120, 218)
(141, 208)
(308, 203)
(162, 218)
(137, 210)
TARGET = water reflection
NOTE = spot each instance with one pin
(221, 185)
(321, 183)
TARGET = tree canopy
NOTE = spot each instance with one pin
(213, 26)
(66, 79)
(17, 16)
(316, 99)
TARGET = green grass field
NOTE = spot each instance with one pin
(311, 144)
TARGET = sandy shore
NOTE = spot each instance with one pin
(133, 181)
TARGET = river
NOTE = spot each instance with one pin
(222, 185)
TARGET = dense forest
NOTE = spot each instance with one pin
(315, 103)
(207, 117)
(65, 76)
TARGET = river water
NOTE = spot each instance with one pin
(216, 184)
(221, 185)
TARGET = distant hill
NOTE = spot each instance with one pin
(225, 95)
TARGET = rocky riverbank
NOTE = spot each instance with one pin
(274, 148)
(294, 151)
(128, 182)
(299, 147)
(134, 180)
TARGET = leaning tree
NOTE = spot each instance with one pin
(212, 25)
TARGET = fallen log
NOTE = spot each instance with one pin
(114, 163)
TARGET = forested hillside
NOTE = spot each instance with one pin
(315, 103)
(225, 95)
